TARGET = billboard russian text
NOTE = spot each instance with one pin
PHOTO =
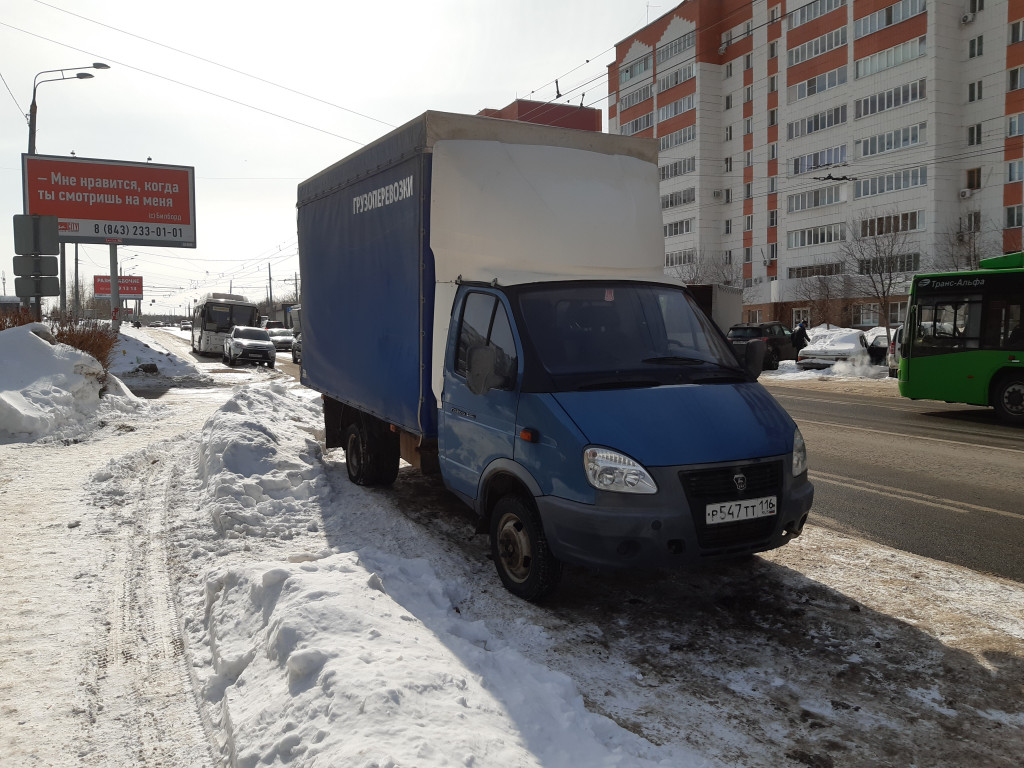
(106, 201)
(128, 286)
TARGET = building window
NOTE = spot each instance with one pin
(676, 47)
(748, 94)
(773, 185)
(974, 178)
(976, 5)
(748, 126)
(728, 133)
(971, 222)
(803, 238)
(1016, 81)
(680, 227)
(974, 91)
(821, 159)
(748, 223)
(902, 262)
(633, 98)
(1016, 125)
(865, 314)
(773, 252)
(1015, 171)
(815, 270)
(891, 98)
(891, 182)
(892, 57)
(677, 107)
(748, 190)
(887, 17)
(748, 61)
(912, 221)
(975, 46)
(748, 159)
(748, 255)
(893, 141)
(678, 168)
(773, 151)
(773, 117)
(727, 194)
(728, 165)
(827, 42)
(773, 84)
(801, 315)
(818, 84)
(897, 312)
(641, 123)
(727, 229)
(773, 48)
(974, 134)
(1016, 31)
(815, 123)
(1014, 216)
(728, 69)
(812, 11)
(635, 68)
(773, 218)
(676, 138)
(816, 198)
(674, 78)
(728, 101)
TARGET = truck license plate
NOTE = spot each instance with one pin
(734, 511)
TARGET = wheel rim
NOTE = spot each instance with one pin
(1013, 398)
(514, 548)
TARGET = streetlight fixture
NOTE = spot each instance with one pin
(36, 82)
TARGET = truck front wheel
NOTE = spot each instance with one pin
(371, 454)
(520, 550)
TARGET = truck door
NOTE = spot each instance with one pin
(475, 429)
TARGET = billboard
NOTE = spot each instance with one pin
(128, 286)
(106, 201)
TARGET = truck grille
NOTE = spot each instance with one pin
(710, 486)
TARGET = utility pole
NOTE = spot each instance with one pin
(270, 290)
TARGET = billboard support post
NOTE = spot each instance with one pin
(115, 293)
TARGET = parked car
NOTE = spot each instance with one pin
(776, 336)
(878, 345)
(156, 324)
(136, 323)
(892, 359)
(246, 344)
(828, 347)
(282, 338)
(185, 325)
(273, 324)
(297, 348)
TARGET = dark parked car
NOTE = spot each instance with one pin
(776, 337)
(282, 338)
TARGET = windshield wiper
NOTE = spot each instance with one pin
(674, 360)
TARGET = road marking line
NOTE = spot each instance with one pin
(915, 437)
(911, 496)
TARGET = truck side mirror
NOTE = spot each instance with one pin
(753, 359)
(481, 374)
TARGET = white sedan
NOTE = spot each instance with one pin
(249, 345)
(832, 346)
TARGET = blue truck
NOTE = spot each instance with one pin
(486, 299)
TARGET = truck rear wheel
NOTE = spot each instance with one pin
(1008, 398)
(520, 550)
(371, 453)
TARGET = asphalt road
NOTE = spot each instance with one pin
(943, 481)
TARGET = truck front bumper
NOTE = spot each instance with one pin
(668, 529)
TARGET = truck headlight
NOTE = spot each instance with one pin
(609, 470)
(799, 453)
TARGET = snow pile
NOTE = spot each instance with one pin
(260, 464)
(134, 358)
(50, 388)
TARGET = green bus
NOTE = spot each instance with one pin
(963, 341)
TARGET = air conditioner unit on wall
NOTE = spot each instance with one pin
(967, 18)
(965, 193)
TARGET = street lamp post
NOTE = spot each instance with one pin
(36, 82)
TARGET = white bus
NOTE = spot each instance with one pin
(214, 317)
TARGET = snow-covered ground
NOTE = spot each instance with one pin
(191, 580)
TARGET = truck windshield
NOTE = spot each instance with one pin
(644, 331)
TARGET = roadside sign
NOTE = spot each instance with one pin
(29, 287)
(128, 286)
(106, 201)
(36, 234)
(31, 266)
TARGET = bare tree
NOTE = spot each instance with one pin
(822, 292)
(879, 254)
(701, 266)
(974, 239)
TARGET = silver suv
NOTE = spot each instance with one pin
(249, 345)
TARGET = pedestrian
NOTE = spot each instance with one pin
(799, 337)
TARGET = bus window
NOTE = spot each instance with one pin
(948, 325)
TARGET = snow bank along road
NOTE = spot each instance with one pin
(119, 645)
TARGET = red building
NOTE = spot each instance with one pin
(547, 113)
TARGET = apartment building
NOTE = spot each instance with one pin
(813, 149)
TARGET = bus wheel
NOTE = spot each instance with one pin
(1008, 398)
(520, 550)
